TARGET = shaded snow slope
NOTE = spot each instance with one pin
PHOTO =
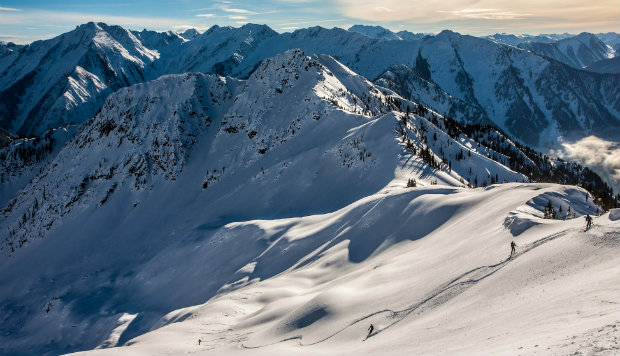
(606, 66)
(410, 84)
(428, 267)
(22, 159)
(168, 163)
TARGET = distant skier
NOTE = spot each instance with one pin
(588, 221)
(199, 341)
(513, 248)
(370, 329)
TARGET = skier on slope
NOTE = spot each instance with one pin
(370, 329)
(513, 248)
(588, 221)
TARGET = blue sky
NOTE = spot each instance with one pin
(23, 21)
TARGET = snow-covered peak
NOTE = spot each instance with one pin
(376, 32)
(8, 48)
(516, 39)
(218, 50)
(120, 41)
(190, 34)
(576, 51)
(159, 41)
(410, 36)
(46, 94)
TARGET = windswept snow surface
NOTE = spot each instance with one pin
(428, 267)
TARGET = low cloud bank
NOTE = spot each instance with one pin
(602, 156)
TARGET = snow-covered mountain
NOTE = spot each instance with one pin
(8, 48)
(611, 39)
(410, 84)
(382, 33)
(518, 91)
(293, 190)
(410, 36)
(218, 50)
(190, 34)
(167, 166)
(515, 40)
(515, 89)
(578, 52)
(48, 84)
(377, 32)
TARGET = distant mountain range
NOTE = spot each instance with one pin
(64, 80)
(533, 97)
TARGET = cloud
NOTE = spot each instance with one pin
(206, 15)
(383, 9)
(8, 9)
(237, 17)
(239, 11)
(486, 15)
(602, 156)
(183, 28)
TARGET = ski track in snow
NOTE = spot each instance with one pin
(435, 298)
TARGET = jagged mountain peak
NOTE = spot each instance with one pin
(377, 32)
(320, 31)
(250, 30)
(190, 34)
(41, 92)
(586, 36)
(449, 34)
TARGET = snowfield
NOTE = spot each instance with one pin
(428, 267)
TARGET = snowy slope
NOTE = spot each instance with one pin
(605, 66)
(578, 52)
(48, 84)
(428, 267)
(609, 38)
(170, 163)
(22, 159)
(410, 84)
(218, 50)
